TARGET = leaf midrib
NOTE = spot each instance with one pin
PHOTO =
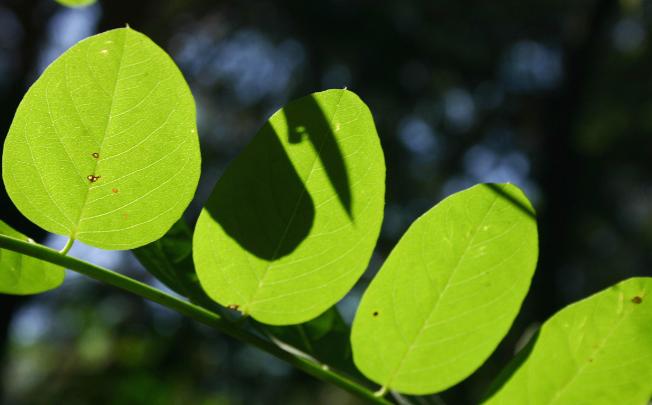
(106, 130)
(261, 281)
(408, 350)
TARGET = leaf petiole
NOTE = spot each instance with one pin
(66, 248)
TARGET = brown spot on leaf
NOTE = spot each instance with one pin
(95, 155)
(115, 190)
(125, 215)
(637, 300)
(92, 178)
(375, 313)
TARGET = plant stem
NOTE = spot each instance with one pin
(66, 248)
(188, 309)
(381, 392)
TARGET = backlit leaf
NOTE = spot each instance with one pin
(76, 3)
(104, 147)
(291, 225)
(20, 274)
(448, 292)
(596, 351)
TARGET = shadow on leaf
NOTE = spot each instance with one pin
(306, 120)
(261, 202)
(511, 199)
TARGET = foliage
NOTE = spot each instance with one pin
(315, 179)
(104, 146)
(20, 274)
(594, 351)
(76, 3)
(448, 292)
(103, 149)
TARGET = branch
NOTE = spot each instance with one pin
(188, 309)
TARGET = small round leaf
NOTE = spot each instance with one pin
(291, 225)
(104, 146)
(22, 275)
(596, 351)
(448, 292)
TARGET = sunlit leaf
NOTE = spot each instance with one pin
(291, 225)
(595, 351)
(104, 147)
(20, 274)
(448, 292)
(76, 3)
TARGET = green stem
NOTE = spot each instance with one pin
(66, 248)
(381, 392)
(188, 309)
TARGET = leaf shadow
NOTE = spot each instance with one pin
(261, 202)
(307, 120)
(511, 199)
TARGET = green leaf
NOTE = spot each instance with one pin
(169, 259)
(22, 275)
(448, 292)
(291, 225)
(104, 147)
(76, 3)
(595, 351)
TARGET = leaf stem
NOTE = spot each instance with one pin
(381, 392)
(66, 248)
(188, 309)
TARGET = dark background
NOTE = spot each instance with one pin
(552, 95)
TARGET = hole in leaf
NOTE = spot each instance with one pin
(233, 306)
(95, 155)
(92, 178)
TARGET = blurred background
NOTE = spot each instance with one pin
(552, 95)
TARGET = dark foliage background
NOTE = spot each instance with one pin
(553, 95)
